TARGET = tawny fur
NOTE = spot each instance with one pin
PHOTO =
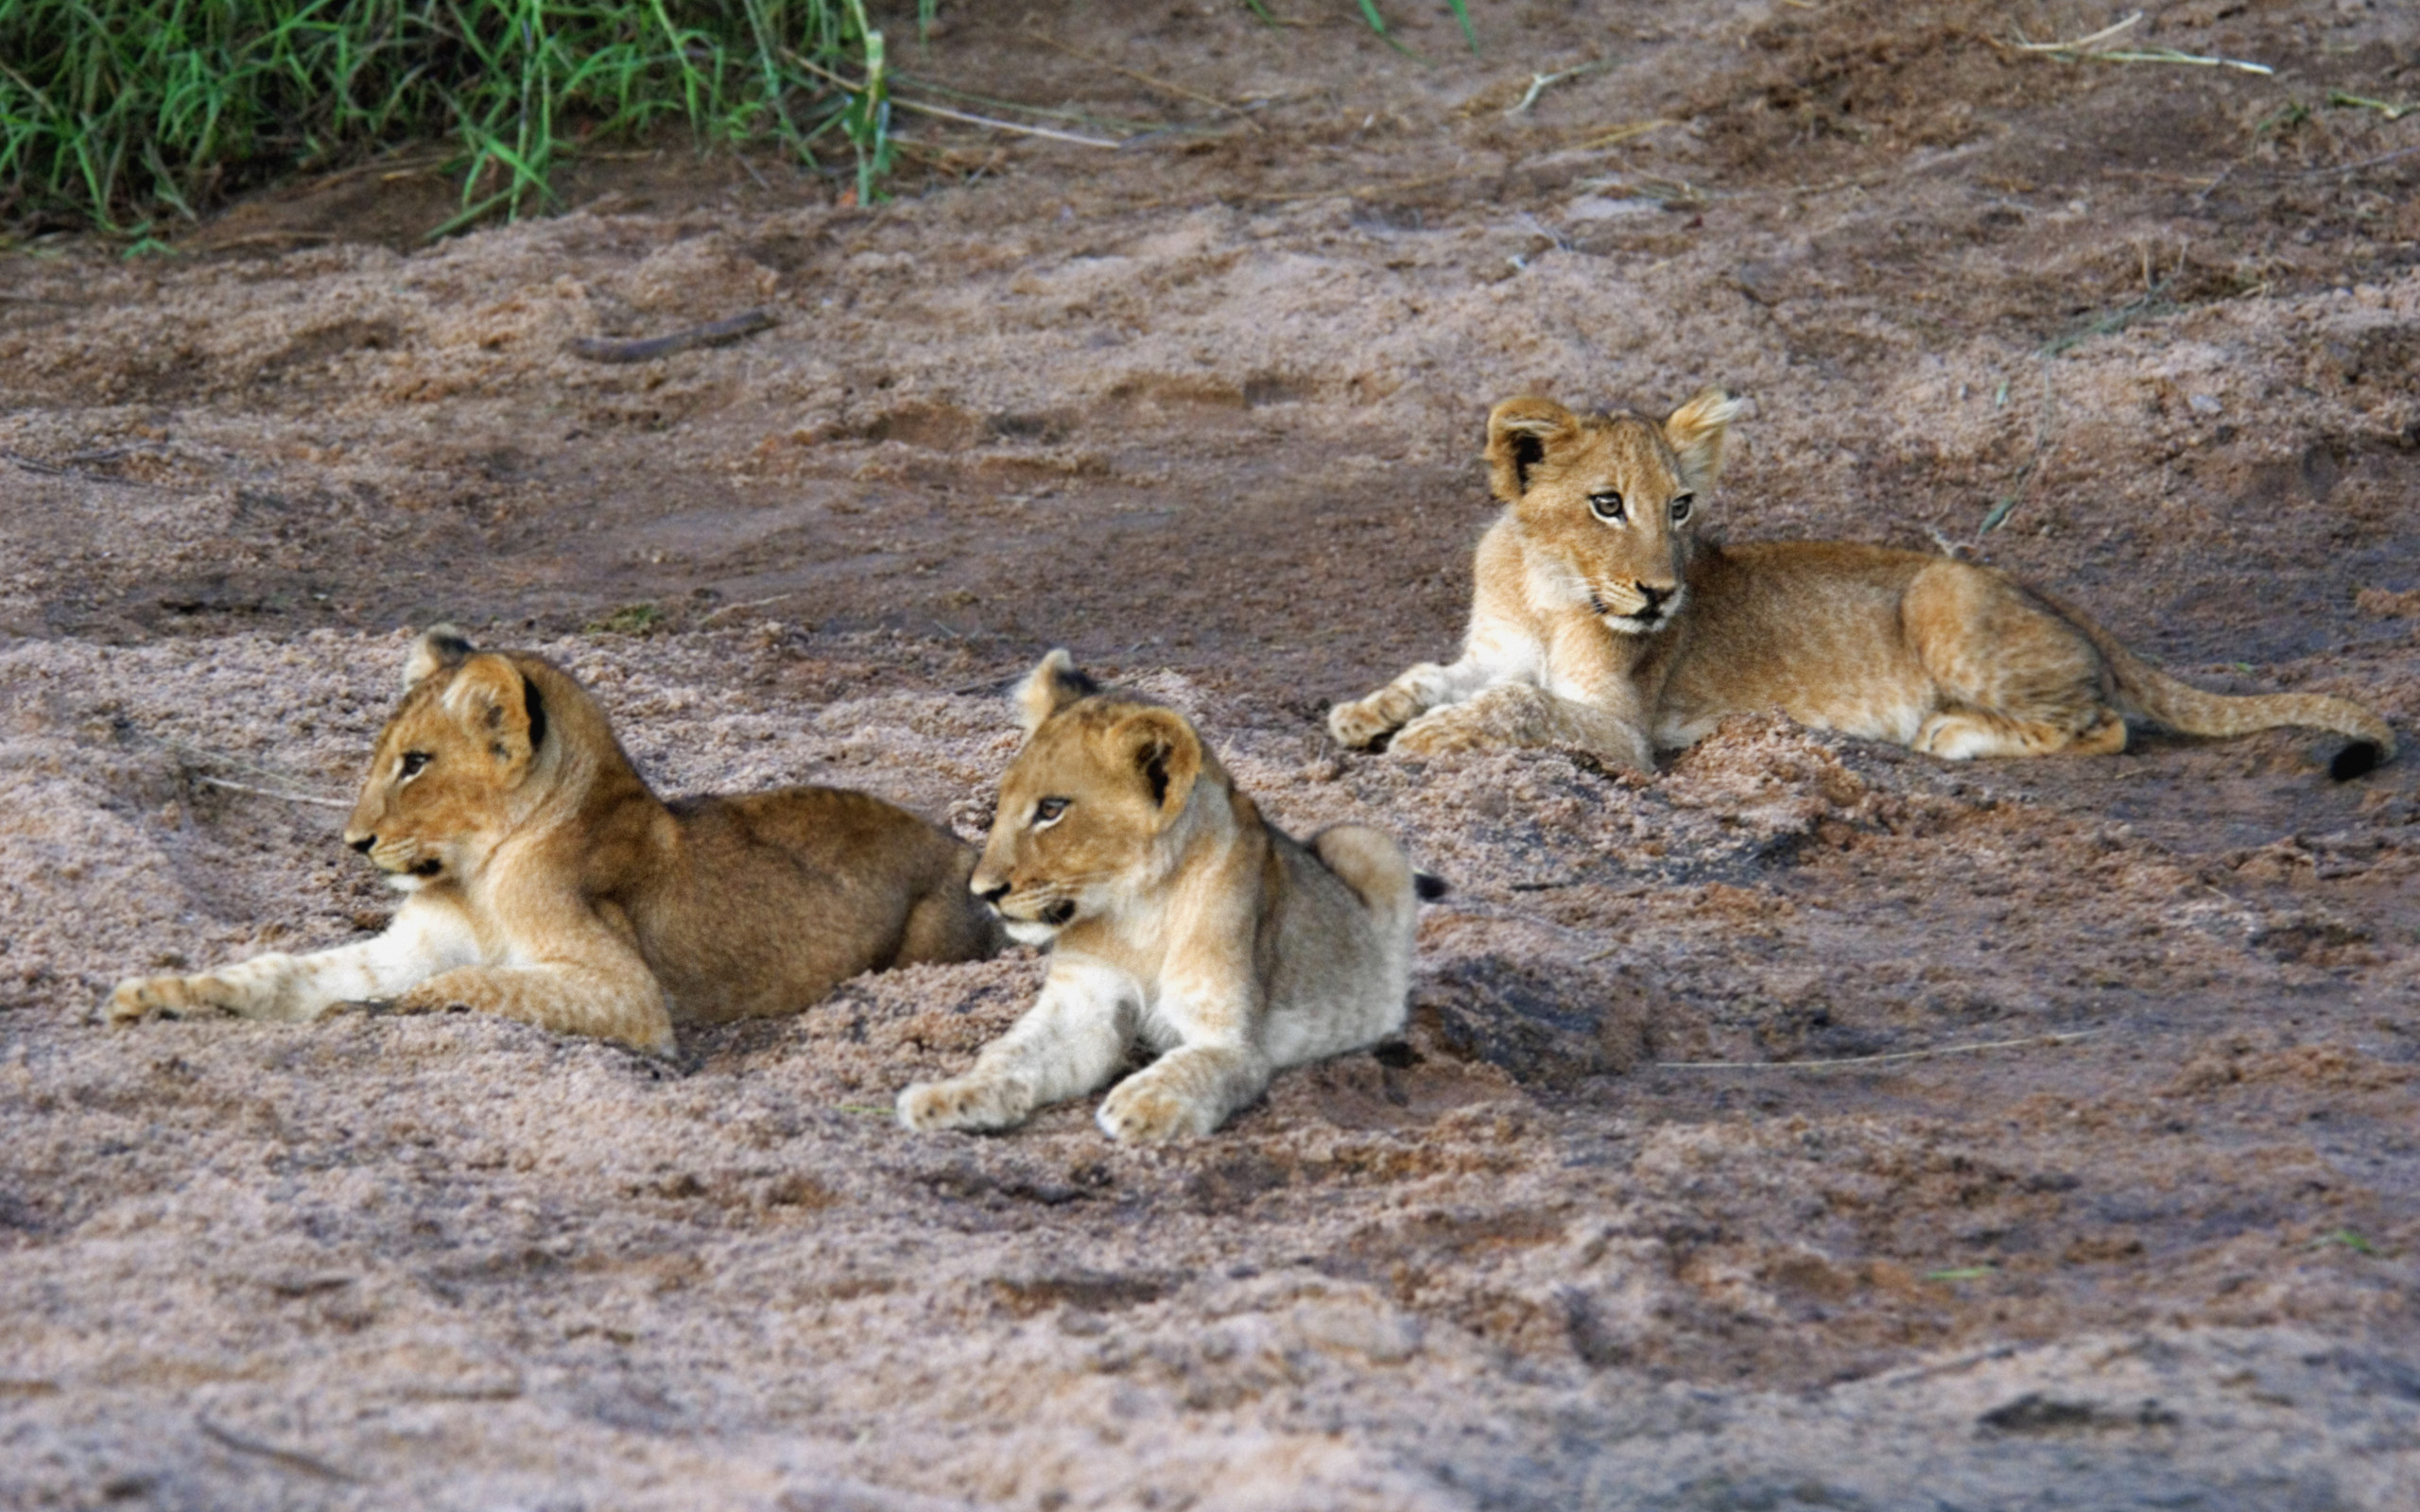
(1602, 622)
(547, 884)
(1176, 915)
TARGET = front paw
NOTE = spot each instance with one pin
(171, 997)
(972, 1103)
(1364, 722)
(1456, 728)
(428, 997)
(1144, 1109)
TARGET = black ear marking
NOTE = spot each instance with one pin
(535, 708)
(1155, 771)
(1074, 683)
(1528, 452)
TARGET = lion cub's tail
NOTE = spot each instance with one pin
(2145, 690)
(1375, 867)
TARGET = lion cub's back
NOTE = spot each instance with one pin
(1810, 627)
(1343, 944)
(809, 885)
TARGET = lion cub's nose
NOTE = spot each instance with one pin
(363, 844)
(1654, 596)
(990, 895)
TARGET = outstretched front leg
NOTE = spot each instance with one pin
(1066, 1044)
(568, 968)
(429, 934)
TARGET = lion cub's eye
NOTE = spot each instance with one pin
(1606, 506)
(1048, 810)
(1682, 504)
(413, 762)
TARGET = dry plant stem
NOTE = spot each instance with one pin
(290, 1458)
(948, 115)
(2089, 48)
(1178, 91)
(1619, 133)
(972, 119)
(221, 759)
(262, 791)
(1877, 1060)
(1540, 83)
(2079, 44)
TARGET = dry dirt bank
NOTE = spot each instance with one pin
(1204, 409)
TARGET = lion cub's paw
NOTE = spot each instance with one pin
(1143, 1111)
(974, 1103)
(1455, 727)
(172, 997)
(1365, 721)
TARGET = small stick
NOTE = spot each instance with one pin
(1619, 133)
(2169, 55)
(972, 119)
(1874, 1060)
(749, 604)
(262, 791)
(2355, 168)
(1540, 83)
(947, 115)
(713, 334)
(1162, 85)
(290, 1458)
(221, 758)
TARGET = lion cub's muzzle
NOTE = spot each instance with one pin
(1636, 609)
(402, 858)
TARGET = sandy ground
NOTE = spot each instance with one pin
(1602, 1232)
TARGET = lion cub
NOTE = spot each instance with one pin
(1602, 622)
(1177, 915)
(547, 884)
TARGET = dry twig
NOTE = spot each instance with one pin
(2090, 49)
(713, 334)
(1877, 1060)
(1178, 91)
(291, 1459)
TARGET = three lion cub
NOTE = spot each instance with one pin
(1602, 622)
(548, 884)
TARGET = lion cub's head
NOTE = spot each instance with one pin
(443, 776)
(1090, 809)
(1607, 501)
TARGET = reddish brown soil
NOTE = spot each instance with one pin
(1204, 410)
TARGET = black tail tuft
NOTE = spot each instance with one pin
(2356, 759)
(1428, 887)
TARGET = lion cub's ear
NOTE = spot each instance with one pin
(1695, 433)
(1167, 755)
(498, 707)
(439, 648)
(1521, 433)
(1052, 685)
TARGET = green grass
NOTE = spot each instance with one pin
(123, 114)
(118, 113)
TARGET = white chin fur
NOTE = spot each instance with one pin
(1028, 932)
(404, 882)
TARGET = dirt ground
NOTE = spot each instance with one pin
(1604, 1231)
